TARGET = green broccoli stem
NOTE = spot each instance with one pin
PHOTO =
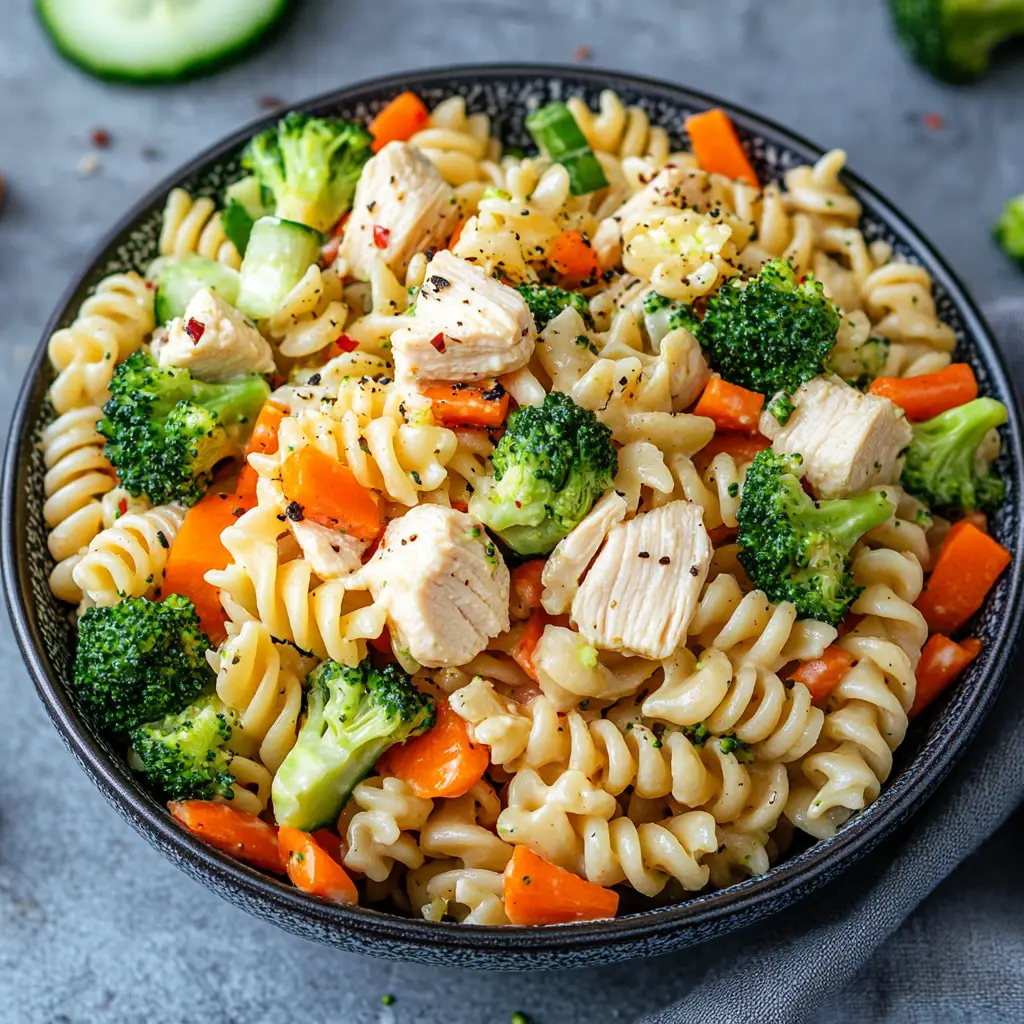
(844, 519)
(976, 27)
(234, 402)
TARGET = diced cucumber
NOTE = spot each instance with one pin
(244, 203)
(278, 254)
(176, 283)
(151, 40)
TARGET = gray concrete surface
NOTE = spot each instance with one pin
(96, 927)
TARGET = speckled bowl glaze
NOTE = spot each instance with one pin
(45, 632)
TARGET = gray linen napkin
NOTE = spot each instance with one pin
(853, 951)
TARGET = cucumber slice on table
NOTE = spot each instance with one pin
(176, 283)
(153, 40)
(278, 254)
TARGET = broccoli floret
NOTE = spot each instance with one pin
(352, 716)
(954, 39)
(547, 301)
(949, 465)
(729, 743)
(797, 549)
(550, 466)
(310, 165)
(166, 431)
(138, 661)
(769, 335)
(184, 754)
(1009, 230)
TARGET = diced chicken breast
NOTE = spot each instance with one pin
(443, 584)
(467, 326)
(849, 441)
(573, 553)
(642, 591)
(402, 206)
(330, 553)
(227, 346)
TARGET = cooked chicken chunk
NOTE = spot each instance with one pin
(849, 441)
(228, 345)
(641, 593)
(467, 326)
(330, 553)
(402, 206)
(567, 563)
(443, 583)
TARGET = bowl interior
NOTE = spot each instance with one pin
(45, 627)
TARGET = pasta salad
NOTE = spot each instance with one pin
(497, 536)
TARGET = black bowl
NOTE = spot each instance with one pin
(45, 634)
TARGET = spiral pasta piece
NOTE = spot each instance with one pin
(128, 558)
(460, 828)
(192, 227)
(457, 142)
(310, 317)
(620, 130)
(111, 324)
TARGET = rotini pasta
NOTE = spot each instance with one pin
(193, 227)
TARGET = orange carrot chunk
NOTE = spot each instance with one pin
(526, 582)
(537, 892)
(399, 121)
(240, 835)
(967, 568)
(527, 645)
(329, 493)
(453, 240)
(443, 761)
(717, 146)
(573, 257)
(198, 549)
(312, 869)
(730, 406)
(263, 438)
(942, 660)
(462, 405)
(926, 396)
(822, 675)
(742, 447)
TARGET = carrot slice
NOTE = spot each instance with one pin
(942, 660)
(742, 447)
(462, 405)
(822, 675)
(443, 761)
(537, 892)
(312, 869)
(926, 396)
(967, 568)
(240, 835)
(718, 148)
(399, 121)
(527, 645)
(573, 257)
(527, 584)
(329, 493)
(263, 438)
(730, 406)
(196, 550)
(453, 240)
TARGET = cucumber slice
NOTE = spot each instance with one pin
(176, 283)
(154, 40)
(278, 254)
(244, 203)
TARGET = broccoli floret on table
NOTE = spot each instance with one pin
(550, 466)
(166, 431)
(184, 755)
(769, 335)
(310, 165)
(547, 301)
(797, 549)
(1009, 230)
(948, 465)
(954, 39)
(353, 715)
(139, 660)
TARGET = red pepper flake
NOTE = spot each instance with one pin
(438, 342)
(582, 53)
(100, 138)
(347, 344)
(270, 103)
(934, 121)
(122, 506)
(194, 329)
(381, 236)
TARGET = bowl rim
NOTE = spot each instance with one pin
(788, 881)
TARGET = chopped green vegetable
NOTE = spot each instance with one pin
(1009, 230)
(559, 137)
